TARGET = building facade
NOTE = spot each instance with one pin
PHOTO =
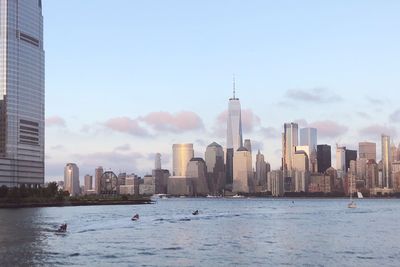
(182, 154)
(21, 93)
(324, 158)
(71, 179)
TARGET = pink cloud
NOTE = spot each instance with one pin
(55, 121)
(377, 130)
(329, 129)
(126, 125)
(176, 123)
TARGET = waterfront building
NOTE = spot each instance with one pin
(300, 180)
(323, 158)
(98, 172)
(242, 171)
(372, 174)
(182, 154)
(234, 139)
(157, 162)
(341, 161)
(367, 150)
(319, 183)
(386, 162)
(88, 183)
(121, 178)
(214, 158)
(22, 93)
(161, 180)
(261, 170)
(71, 179)
(289, 142)
(350, 155)
(148, 187)
(308, 137)
(197, 171)
(180, 186)
(300, 160)
(275, 183)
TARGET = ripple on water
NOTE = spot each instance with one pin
(173, 249)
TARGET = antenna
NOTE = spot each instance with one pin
(234, 87)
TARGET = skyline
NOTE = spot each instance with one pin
(170, 66)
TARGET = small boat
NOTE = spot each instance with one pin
(135, 217)
(237, 196)
(360, 195)
(62, 228)
(195, 213)
(352, 205)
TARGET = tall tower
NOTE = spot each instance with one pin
(386, 162)
(157, 162)
(234, 138)
(182, 154)
(21, 93)
(290, 141)
(71, 179)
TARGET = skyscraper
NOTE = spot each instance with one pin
(214, 158)
(386, 162)
(234, 138)
(157, 162)
(21, 93)
(367, 150)
(290, 138)
(340, 160)
(324, 158)
(242, 171)
(261, 170)
(71, 179)
(88, 182)
(182, 154)
(98, 172)
(350, 155)
(308, 137)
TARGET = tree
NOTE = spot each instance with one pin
(3, 191)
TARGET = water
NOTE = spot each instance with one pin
(228, 232)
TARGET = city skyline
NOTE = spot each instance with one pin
(155, 103)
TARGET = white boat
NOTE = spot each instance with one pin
(211, 196)
(237, 196)
(352, 204)
(360, 195)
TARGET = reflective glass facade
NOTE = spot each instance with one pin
(21, 93)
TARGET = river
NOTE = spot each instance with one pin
(227, 232)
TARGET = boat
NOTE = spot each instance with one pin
(62, 229)
(212, 196)
(352, 204)
(194, 213)
(360, 195)
(237, 196)
(135, 217)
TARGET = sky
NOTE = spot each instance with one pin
(126, 79)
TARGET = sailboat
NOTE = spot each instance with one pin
(360, 195)
(352, 204)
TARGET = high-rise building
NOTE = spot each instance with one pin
(386, 162)
(290, 138)
(182, 154)
(157, 162)
(308, 137)
(247, 145)
(242, 171)
(261, 170)
(21, 93)
(234, 138)
(341, 160)
(324, 156)
(350, 155)
(71, 179)
(197, 171)
(367, 150)
(214, 158)
(98, 172)
(88, 182)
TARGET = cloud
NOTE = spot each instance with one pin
(395, 116)
(376, 130)
(125, 147)
(315, 95)
(58, 147)
(126, 125)
(56, 121)
(329, 129)
(363, 115)
(256, 145)
(375, 101)
(249, 120)
(176, 123)
(270, 132)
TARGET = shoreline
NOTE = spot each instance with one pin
(144, 201)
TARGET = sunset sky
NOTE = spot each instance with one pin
(126, 79)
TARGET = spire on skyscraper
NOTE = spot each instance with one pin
(234, 87)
